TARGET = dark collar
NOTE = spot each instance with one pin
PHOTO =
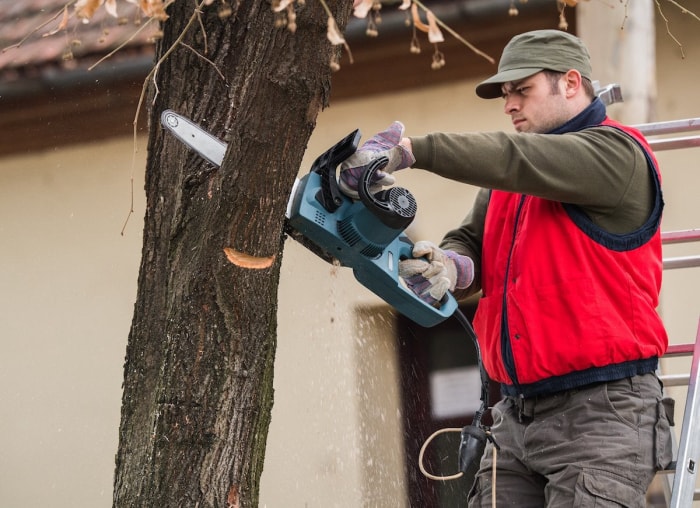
(594, 114)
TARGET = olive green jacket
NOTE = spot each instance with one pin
(600, 169)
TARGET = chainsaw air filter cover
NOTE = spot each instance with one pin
(395, 207)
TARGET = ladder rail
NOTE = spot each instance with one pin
(685, 468)
(671, 127)
(683, 491)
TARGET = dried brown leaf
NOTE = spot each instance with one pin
(62, 25)
(362, 8)
(434, 33)
(417, 22)
(333, 32)
(111, 7)
(281, 5)
(152, 8)
(85, 9)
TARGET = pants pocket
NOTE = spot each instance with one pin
(669, 409)
(602, 489)
(663, 452)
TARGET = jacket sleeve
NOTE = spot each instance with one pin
(466, 239)
(600, 169)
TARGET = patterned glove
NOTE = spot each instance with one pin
(384, 144)
(433, 271)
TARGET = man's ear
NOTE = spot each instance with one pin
(572, 81)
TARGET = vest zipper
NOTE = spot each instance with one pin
(506, 347)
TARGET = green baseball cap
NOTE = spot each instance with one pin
(529, 53)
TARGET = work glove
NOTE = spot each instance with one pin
(383, 144)
(433, 271)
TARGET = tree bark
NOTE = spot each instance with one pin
(199, 362)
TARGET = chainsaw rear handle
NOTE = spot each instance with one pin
(396, 208)
(447, 304)
(380, 275)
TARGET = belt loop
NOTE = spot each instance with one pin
(519, 401)
(525, 409)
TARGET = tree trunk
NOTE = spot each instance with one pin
(199, 361)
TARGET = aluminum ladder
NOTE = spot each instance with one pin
(685, 468)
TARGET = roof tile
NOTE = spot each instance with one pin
(26, 42)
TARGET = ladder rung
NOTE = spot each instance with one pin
(681, 262)
(659, 145)
(681, 236)
(670, 469)
(670, 127)
(680, 349)
(675, 379)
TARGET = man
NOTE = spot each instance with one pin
(563, 242)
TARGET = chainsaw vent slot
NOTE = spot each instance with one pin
(372, 251)
(319, 218)
(349, 232)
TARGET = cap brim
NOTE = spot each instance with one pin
(491, 88)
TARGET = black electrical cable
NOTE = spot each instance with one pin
(462, 319)
(473, 436)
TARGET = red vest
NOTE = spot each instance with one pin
(566, 303)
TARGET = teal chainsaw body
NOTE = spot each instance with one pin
(366, 235)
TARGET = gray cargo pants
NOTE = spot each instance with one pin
(597, 446)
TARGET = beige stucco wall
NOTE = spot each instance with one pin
(67, 289)
(68, 284)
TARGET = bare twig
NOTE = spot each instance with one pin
(668, 31)
(221, 74)
(52, 18)
(683, 9)
(456, 35)
(122, 45)
(204, 32)
(326, 8)
(624, 20)
(339, 37)
(155, 85)
(151, 75)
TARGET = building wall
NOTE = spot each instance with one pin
(68, 280)
(67, 290)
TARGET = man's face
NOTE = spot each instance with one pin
(535, 104)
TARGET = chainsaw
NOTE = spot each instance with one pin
(366, 235)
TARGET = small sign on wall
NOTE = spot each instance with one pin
(454, 392)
